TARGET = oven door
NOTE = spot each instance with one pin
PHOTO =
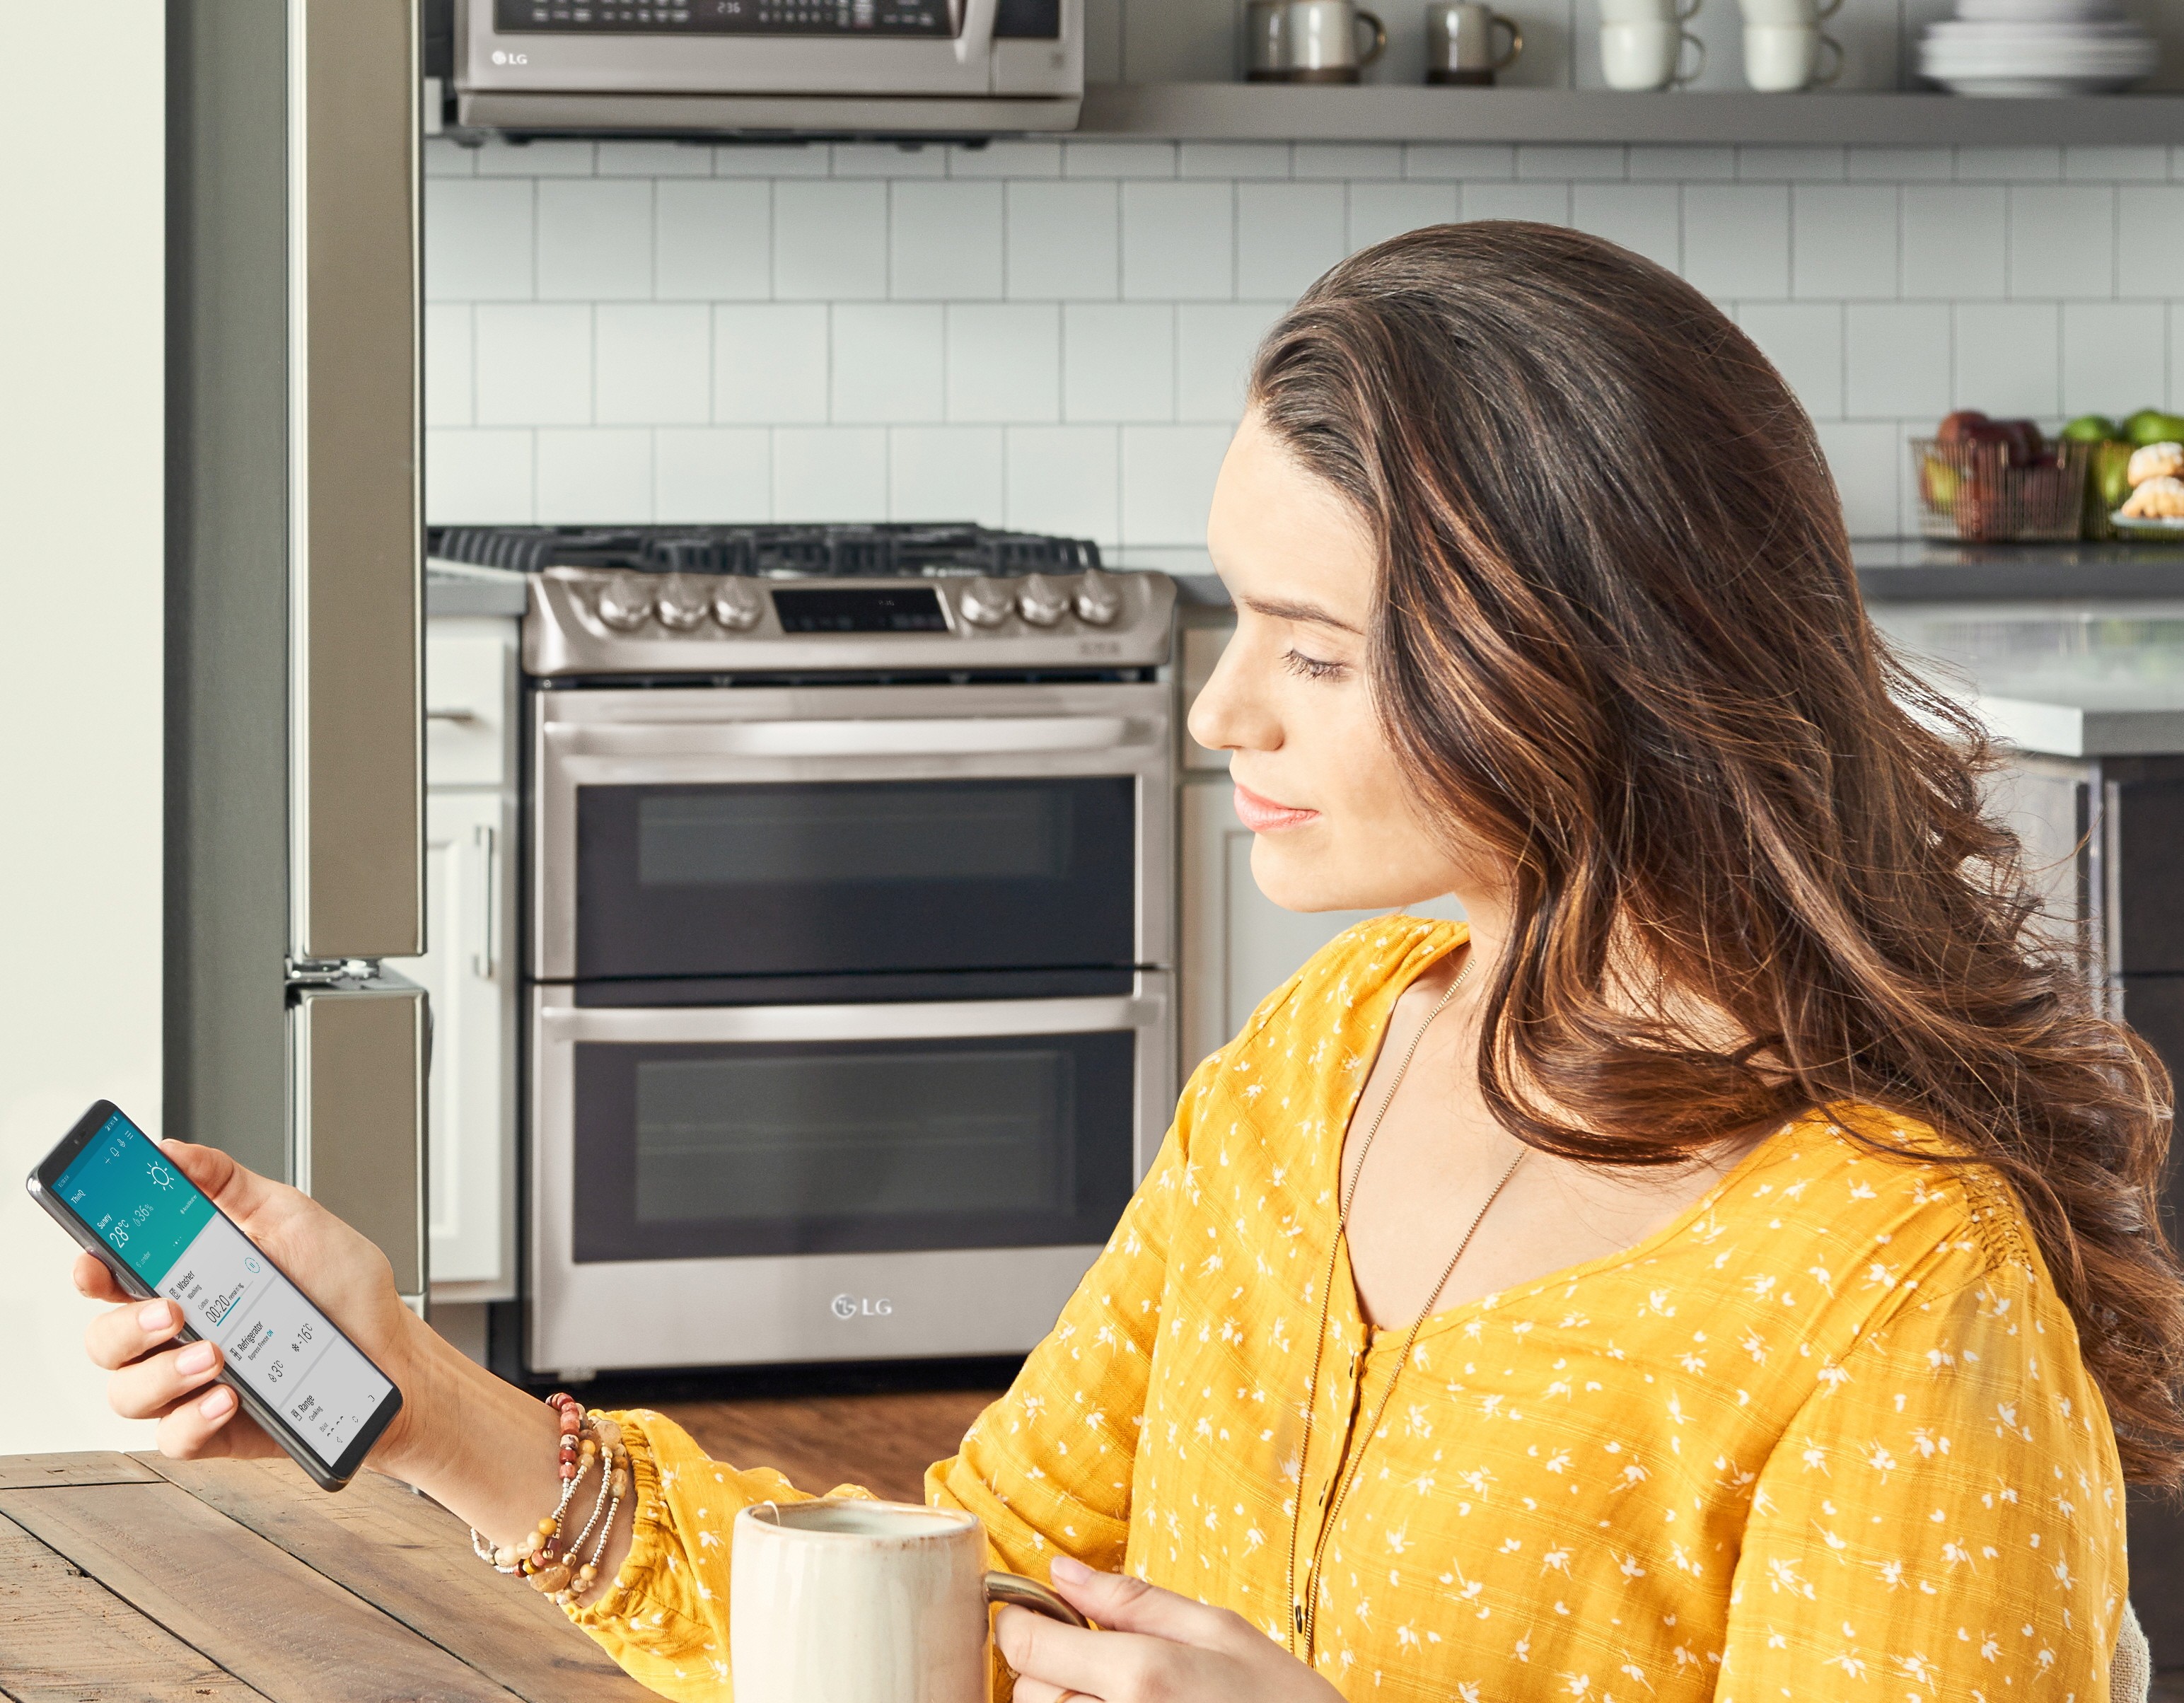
(764, 832)
(759, 1184)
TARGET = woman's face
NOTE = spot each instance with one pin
(1336, 826)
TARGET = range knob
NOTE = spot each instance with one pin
(625, 602)
(736, 605)
(988, 601)
(1043, 601)
(1099, 599)
(684, 602)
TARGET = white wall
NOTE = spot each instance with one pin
(1052, 335)
(81, 233)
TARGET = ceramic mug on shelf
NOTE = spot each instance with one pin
(1320, 37)
(1266, 42)
(1780, 58)
(1648, 55)
(1460, 43)
(1647, 11)
(847, 1601)
(1787, 14)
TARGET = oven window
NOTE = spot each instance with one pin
(727, 1150)
(778, 879)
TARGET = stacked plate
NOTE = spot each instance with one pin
(2036, 48)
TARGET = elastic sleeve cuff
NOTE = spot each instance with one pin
(630, 1597)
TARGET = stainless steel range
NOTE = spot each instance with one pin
(851, 934)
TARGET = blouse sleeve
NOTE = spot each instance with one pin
(1942, 1520)
(1047, 1468)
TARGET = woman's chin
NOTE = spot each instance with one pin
(1284, 869)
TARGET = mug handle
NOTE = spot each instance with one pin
(1678, 79)
(1830, 45)
(1379, 38)
(1515, 41)
(1686, 13)
(1015, 1588)
(1827, 11)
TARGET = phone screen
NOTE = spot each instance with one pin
(169, 1232)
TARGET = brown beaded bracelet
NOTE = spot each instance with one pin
(548, 1563)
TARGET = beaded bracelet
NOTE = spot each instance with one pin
(549, 1564)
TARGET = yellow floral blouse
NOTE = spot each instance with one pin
(1826, 1434)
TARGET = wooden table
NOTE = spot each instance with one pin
(132, 1579)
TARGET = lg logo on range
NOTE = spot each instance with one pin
(860, 1307)
(501, 58)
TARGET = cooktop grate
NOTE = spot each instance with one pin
(907, 551)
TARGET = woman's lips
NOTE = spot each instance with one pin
(1263, 816)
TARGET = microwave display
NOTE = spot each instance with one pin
(924, 17)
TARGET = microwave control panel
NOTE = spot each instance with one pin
(930, 20)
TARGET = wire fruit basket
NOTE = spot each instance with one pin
(1969, 491)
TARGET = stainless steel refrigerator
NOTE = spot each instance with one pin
(294, 845)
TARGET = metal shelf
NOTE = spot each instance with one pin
(1276, 112)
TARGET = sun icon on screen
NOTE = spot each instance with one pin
(162, 1177)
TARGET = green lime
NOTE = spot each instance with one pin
(2151, 426)
(2090, 428)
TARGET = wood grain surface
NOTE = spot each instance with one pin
(883, 1442)
(43, 1472)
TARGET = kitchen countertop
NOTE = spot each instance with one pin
(458, 588)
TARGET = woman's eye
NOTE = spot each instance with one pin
(1311, 666)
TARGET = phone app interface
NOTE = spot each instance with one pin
(276, 1342)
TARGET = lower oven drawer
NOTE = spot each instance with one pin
(755, 1184)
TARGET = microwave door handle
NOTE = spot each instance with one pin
(974, 41)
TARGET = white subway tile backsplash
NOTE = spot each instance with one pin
(534, 363)
(594, 239)
(1341, 161)
(1896, 359)
(593, 474)
(1168, 480)
(1065, 479)
(1118, 159)
(1645, 218)
(890, 159)
(944, 241)
(1572, 163)
(769, 363)
(1542, 203)
(946, 473)
(620, 157)
(1234, 160)
(2116, 165)
(830, 241)
(1956, 240)
(1117, 361)
(653, 363)
(2008, 358)
(2062, 240)
(1790, 164)
(1736, 239)
(1379, 211)
(1064, 241)
(1459, 161)
(1867, 459)
(501, 158)
(2010, 165)
(1653, 163)
(1004, 158)
(1287, 234)
(771, 159)
(1179, 240)
(1214, 343)
(478, 476)
(1005, 362)
(890, 363)
(1900, 164)
(830, 473)
(1804, 340)
(2112, 356)
(712, 474)
(478, 241)
(1843, 241)
(713, 240)
(447, 362)
(2150, 240)
(2175, 356)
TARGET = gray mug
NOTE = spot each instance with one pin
(1266, 42)
(1460, 42)
(1321, 39)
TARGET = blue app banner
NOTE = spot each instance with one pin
(141, 1206)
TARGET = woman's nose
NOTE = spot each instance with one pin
(1227, 714)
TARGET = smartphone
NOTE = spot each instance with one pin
(309, 1387)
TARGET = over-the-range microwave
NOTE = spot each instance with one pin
(888, 67)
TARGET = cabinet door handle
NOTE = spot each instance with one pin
(451, 714)
(482, 959)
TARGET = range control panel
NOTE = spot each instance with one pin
(928, 19)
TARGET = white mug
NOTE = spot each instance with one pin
(847, 1601)
(1785, 14)
(1322, 40)
(1647, 11)
(1647, 56)
(1778, 60)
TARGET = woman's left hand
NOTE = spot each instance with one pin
(1155, 1647)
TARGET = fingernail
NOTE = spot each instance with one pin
(1068, 1569)
(155, 1316)
(217, 1403)
(197, 1357)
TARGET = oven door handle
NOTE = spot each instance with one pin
(876, 737)
(562, 1021)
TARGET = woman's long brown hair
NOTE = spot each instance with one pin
(1621, 645)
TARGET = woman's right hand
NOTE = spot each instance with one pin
(344, 1275)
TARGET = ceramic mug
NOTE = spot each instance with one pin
(1266, 42)
(1785, 14)
(847, 1601)
(1648, 11)
(1778, 59)
(1647, 56)
(1322, 40)
(1460, 43)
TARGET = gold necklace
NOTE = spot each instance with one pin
(1304, 1615)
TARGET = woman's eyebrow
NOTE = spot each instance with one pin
(1282, 609)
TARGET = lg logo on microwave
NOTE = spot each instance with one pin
(501, 58)
(860, 1307)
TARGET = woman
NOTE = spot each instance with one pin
(1726, 1267)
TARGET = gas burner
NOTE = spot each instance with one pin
(816, 552)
